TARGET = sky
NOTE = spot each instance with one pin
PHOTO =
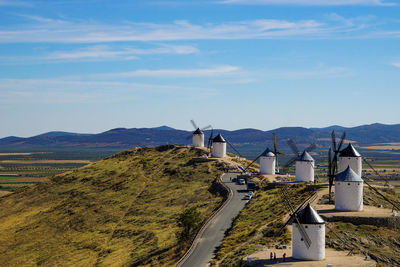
(91, 65)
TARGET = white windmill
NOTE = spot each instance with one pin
(198, 135)
(350, 157)
(218, 147)
(305, 163)
(348, 191)
(308, 230)
(268, 159)
(314, 227)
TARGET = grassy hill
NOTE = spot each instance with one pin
(121, 211)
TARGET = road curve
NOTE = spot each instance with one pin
(211, 237)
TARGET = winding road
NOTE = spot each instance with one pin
(212, 235)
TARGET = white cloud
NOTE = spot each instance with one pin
(309, 2)
(396, 64)
(208, 72)
(58, 31)
(64, 90)
(103, 52)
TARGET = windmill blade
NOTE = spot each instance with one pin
(341, 140)
(233, 148)
(329, 162)
(274, 139)
(311, 147)
(280, 153)
(375, 171)
(206, 128)
(303, 233)
(253, 161)
(333, 141)
(290, 162)
(194, 124)
(210, 140)
(395, 205)
(293, 146)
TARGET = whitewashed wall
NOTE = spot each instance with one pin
(198, 140)
(316, 233)
(355, 164)
(304, 171)
(219, 150)
(267, 165)
(349, 196)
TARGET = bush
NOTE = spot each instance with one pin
(190, 220)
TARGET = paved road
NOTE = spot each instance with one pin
(214, 232)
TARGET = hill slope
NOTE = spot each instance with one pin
(120, 211)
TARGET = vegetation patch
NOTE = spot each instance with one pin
(380, 243)
(259, 224)
(121, 211)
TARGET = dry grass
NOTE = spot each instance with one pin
(116, 212)
(49, 161)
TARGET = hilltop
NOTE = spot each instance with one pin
(122, 210)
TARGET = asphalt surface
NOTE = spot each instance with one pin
(213, 234)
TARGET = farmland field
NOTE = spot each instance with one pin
(22, 169)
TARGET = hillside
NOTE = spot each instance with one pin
(123, 138)
(120, 211)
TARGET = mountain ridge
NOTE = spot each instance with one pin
(129, 137)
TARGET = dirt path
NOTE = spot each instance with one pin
(328, 210)
(334, 257)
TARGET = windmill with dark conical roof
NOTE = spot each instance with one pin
(305, 163)
(350, 157)
(268, 159)
(314, 227)
(218, 147)
(348, 191)
(308, 231)
(198, 135)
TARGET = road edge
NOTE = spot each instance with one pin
(205, 224)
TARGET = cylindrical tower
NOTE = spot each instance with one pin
(314, 227)
(198, 138)
(218, 147)
(267, 162)
(348, 191)
(305, 168)
(350, 157)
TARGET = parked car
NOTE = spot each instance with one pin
(248, 196)
(251, 185)
(241, 181)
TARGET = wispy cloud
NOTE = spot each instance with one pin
(310, 2)
(43, 30)
(63, 90)
(207, 72)
(396, 64)
(104, 52)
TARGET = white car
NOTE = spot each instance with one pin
(248, 196)
(241, 181)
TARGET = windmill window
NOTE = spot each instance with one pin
(302, 239)
(306, 226)
(319, 226)
(348, 183)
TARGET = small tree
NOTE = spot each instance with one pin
(190, 219)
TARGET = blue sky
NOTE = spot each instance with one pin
(88, 66)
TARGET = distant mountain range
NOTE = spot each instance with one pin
(121, 138)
